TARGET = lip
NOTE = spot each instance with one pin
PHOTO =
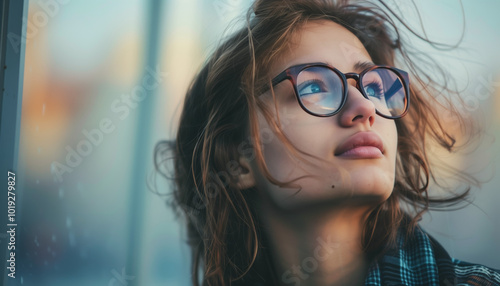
(362, 145)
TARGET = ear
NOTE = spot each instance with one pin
(245, 178)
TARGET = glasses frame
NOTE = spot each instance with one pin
(292, 73)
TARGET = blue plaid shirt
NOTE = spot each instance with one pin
(423, 261)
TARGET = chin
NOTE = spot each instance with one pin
(370, 184)
(380, 189)
(316, 194)
(368, 179)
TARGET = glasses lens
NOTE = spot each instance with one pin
(385, 89)
(320, 90)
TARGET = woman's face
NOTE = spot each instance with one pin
(357, 146)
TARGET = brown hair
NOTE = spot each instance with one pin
(219, 124)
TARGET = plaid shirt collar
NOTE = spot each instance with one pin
(423, 261)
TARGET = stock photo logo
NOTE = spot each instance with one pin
(38, 20)
(120, 278)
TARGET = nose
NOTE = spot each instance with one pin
(357, 109)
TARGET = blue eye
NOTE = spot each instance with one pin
(374, 90)
(310, 87)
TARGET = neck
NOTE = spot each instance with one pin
(317, 247)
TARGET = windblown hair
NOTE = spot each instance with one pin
(218, 124)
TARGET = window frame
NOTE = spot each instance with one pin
(12, 53)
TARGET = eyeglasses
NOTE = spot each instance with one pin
(321, 89)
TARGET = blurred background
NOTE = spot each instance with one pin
(103, 83)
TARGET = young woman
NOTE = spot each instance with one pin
(299, 140)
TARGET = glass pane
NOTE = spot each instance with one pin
(83, 61)
(386, 90)
(85, 77)
(320, 90)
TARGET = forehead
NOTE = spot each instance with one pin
(323, 41)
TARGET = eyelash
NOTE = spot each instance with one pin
(377, 85)
(309, 82)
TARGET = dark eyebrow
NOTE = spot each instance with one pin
(360, 66)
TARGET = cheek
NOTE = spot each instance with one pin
(389, 134)
(277, 159)
(305, 132)
(310, 134)
(273, 151)
(394, 141)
